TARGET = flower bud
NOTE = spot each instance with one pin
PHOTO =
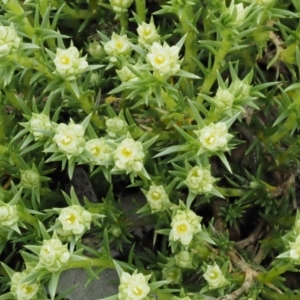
(22, 290)
(126, 75)
(133, 287)
(53, 255)
(39, 122)
(75, 219)
(295, 250)
(184, 260)
(224, 99)
(215, 277)
(30, 179)
(238, 13)
(239, 89)
(68, 63)
(95, 50)
(199, 181)
(116, 127)
(157, 198)
(115, 231)
(8, 215)
(172, 273)
(120, 6)
(9, 40)
(129, 156)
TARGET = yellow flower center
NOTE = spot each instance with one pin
(66, 140)
(126, 152)
(155, 196)
(65, 60)
(119, 45)
(27, 289)
(71, 218)
(182, 228)
(95, 151)
(209, 139)
(159, 59)
(137, 291)
(213, 275)
(147, 30)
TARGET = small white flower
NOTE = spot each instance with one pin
(75, 219)
(53, 255)
(157, 198)
(68, 63)
(69, 139)
(199, 180)
(184, 225)
(214, 137)
(8, 215)
(224, 99)
(116, 127)
(126, 75)
(22, 290)
(120, 6)
(99, 149)
(133, 287)
(147, 34)
(9, 40)
(215, 277)
(129, 156)
(164, 59)
(118, 45)
(30, 179)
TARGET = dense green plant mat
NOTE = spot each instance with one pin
(194, 103)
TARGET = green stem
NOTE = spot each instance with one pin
(274, 273)
(11, 97)
(140, 6)
(212, 75)
(190, 53)
(271, 295)
(124, 21)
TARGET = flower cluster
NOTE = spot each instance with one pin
(184, 225)
(129, 156)
(53, 255)
(68, 63)
(30, 179)
(70, 139)
(224, 99)
(157, 198)
(133, 287)
(199, 180)
(9, 40)
(164, 60)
